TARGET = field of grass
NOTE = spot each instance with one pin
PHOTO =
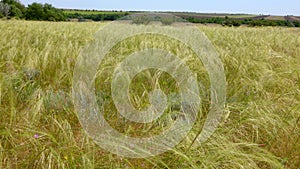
(296, 18)
(211, 15)
(39, 127)
(277, 18)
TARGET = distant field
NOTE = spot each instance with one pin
(205, 15)
(39, 127)
(297, 18)
(241, 16)
(275, 18)
(210, 15)
(204, 18)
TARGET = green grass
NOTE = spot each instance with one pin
(261, 129)
(240, 16)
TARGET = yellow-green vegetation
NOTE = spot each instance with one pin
(39, 127)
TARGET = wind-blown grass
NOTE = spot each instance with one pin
(39, 127)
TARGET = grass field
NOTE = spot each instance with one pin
(211, 15)
(277, 18)
(39, 127)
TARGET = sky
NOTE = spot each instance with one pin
(272, 7)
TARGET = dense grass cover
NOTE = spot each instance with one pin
(39, 127)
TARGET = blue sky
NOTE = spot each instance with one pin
(275, 7)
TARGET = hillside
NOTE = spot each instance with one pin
(204, 18)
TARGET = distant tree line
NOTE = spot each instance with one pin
(34, 11)
(225, 21)
(96, 17)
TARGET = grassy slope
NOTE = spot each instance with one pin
(215, 15)
(261, 131)
(199, 15)
(278, 18)
(193, 15)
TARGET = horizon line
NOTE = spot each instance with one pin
(199, 12)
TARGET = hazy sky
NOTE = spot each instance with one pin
(275, 7)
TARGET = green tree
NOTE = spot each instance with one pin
(4, 9)
(17, 9)
(53, 14)
(37, 11)
(16, 12)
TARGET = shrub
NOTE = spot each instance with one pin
(17, 9)
(37, 11)
(4, 9)
(140, 20)
(168, 20)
